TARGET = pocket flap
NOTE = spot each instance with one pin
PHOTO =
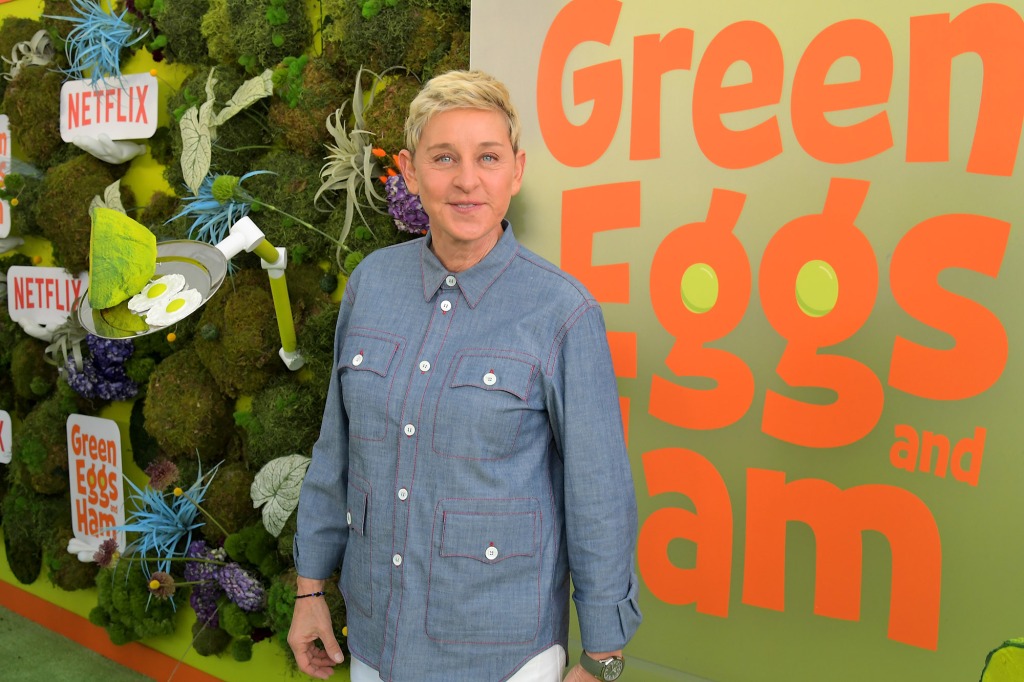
(493, 372)
(489, 537)
(364, 353)
(355, 511)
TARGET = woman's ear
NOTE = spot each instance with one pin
(408, 169)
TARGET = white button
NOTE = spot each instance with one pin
(397, 560)
(348, 518)
(410, 429)
(490, 379)
(403, 494)
(446, 306)
(491, 553)
(357, 360)
(450, 280)
(424, 366)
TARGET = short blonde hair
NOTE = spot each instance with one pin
(460, 90)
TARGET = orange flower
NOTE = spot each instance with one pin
(378, 152)
(394, 157)
(391, 173)
(383, 179)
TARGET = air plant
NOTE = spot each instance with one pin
(94, 45)
(37, 51)
(352, 165)
(164, 522)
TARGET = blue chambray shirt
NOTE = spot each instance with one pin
(471, 458)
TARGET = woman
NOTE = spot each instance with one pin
(471, 455)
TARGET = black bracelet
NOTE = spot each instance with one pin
(311, 594)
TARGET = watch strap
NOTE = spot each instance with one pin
(598, 668)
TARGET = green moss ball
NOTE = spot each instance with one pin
(185, 411)
(227, 500)
(63, 207)
(298, 117)
(178, 22)
(32, 376)
(32, 102)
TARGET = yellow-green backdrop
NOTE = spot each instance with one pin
(809, 254)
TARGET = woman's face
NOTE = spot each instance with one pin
(465, 173)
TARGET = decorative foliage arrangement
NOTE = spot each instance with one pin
(290, 116)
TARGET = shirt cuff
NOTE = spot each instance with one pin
(315, 560)
(608, 627)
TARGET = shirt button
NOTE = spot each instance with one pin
(357, 360)
(403, 494)
(410, 429)
(446, 306)
(424, 366)
(397, 560)
(490, 379)
(491, 553)
(449, 280)
(348, 518)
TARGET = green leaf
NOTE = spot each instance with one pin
(196, 150)
(248, 93)
(276, 487)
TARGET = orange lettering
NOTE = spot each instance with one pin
(812, 97)
(654, 56)
(838, 518)
(978, 355)
(578, 22)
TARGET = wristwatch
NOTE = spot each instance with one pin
(607, 669)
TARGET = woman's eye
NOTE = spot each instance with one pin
(444, 158)
(489, 158)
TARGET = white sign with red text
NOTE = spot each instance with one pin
(5, 168)
(43, 295)
(6, 438)
(97, 487)
(124, 109)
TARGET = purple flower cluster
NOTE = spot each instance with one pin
(241, 588)
(103, 375)
(215, 580)
(405, 207)
(207, 590)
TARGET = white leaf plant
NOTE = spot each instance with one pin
(111, 198)
(276, 488)
(199, 125)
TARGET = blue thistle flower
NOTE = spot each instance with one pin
(96, 41)
(219, 204)
(164, 528)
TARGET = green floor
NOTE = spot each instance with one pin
(29, 651)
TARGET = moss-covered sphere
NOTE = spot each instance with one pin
(185, 411)
(177, 22)
(243, 356)
(32, 102)
(63, 207)
(32, 376)
(298, 116)
(227, 500)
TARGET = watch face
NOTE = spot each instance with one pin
(612, 669)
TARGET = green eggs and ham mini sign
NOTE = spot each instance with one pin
(97, 489)
(43, 295)
(5, 438)
(124, 109)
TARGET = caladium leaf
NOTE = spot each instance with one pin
(195, 150)
(276, 487)
(248, 93)
(111, 198)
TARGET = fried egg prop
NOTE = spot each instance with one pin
(170, 309)
(156, 289)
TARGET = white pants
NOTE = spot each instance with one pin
(547, 666)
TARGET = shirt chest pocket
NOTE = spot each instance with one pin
(482, 405)
(484, 576)
(366, 370)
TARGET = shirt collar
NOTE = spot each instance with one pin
(475, 281)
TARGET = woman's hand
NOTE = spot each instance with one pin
(311, 621)
(578, 674)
